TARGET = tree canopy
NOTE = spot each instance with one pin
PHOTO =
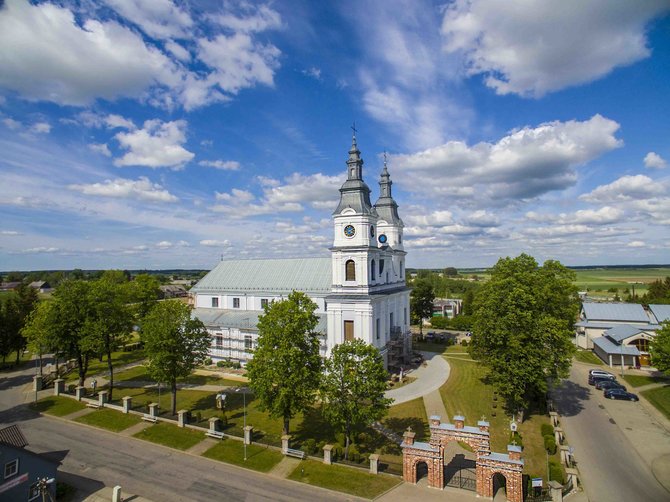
(660, 348)
(286, 366)
(523, 323)
(353, 388)
(175, 343)
(421, 301)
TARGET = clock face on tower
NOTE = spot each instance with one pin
(349, 231)
(382, 238)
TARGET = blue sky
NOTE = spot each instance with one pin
(160, 134)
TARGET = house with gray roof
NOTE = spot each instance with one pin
(596, 318)
(625, 345)
(359, 288)
(661, 313)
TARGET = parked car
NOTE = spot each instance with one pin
(594, 379)
(609, 384)
(620, 394)
(600, 373)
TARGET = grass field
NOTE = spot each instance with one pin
(57, 406)
(343, 479)
(111, 420)
(586, 356)
(640, 380)
(660, 398)
(171, 435)
(599, 280)
(259, 458)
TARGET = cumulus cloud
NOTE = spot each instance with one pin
(42, 249)
(10, 233)
(524, 164)
(624, 189)
(41, 128)
(636, 244)
(157, 144)
(553, 45)
(313, 72)
(164, 245)
(235, 196)
(100, 148)
(141, 189)
(157, 18)
(654, 161)
(215, 243)
(224, 165)
(12, 124)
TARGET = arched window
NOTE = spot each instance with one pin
(401, 269)
(372, 270)
(350, 270)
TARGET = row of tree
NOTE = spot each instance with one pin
(90, 319)
(287, 373)
(14, 312)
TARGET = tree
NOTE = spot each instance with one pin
(468, 300)
(143, 292)
(110, 318)
(450, 272)
(353, 388)
(17, 309)
(175, 343)
(39, 330)
(286, 366)
(523, 324)
(660, 348)
(421, 301)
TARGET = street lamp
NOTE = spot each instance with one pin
(244, 430)
(42, 486)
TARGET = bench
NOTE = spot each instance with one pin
(149, 418)
(93, 405)
(290, 452)
(214, 434)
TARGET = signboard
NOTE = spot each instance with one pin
(537, 482)
(14, 482)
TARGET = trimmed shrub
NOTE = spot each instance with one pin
(309, 447)
(464, 342)
(555, 471)
(221, 364)
(550, 444)
(547, 430)
(208, 361)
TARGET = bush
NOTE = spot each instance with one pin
(208, 361)
(555, 471)
(309, 447)
(464, 342)
(221, 364)
(547, 430)
(550, 444)
(337, 452)
(354, 454)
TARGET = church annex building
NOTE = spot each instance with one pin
(359, 290)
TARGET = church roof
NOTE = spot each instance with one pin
(310, 275)
(354, 193)
(243, 319)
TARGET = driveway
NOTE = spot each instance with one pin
(428, 379)
(615, 442)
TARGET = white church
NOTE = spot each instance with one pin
(360, 289)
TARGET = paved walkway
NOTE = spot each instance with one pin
(285, 467)
(429, 378)
(435, 406)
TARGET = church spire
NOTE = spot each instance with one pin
(355, 194)
(386, 207)
(355, 162)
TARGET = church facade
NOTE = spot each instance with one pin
(360, 290)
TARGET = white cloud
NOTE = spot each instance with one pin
(552, 45)
(100, 148)
(183, 244)
(141, 189)
(41, 249)
(41, 128)
(255, 19)
(12, 124)
(164, 245)
(602, 216)
(157, 144)
(624, 189)
(314, 189)
(236, 196)
(524, 164)
(482, 218)
(45, 54)
(654, 161)
(157, 18)
(224, 165)
(10, 232)
(313, 72)
(215, 243)
(113, 121)
(636, 244)
(178, 51)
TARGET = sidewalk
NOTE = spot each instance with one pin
(429, 378)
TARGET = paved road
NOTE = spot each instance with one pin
(429, 378)
(611, 467)
(93, 458)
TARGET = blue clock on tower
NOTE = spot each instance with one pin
(349, 231)
(382, 238)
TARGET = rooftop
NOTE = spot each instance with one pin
(242, 319)
(661, 312)
(615, 312)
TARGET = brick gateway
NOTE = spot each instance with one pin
(488, 464)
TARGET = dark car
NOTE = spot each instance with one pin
(620, 394)
(594, 379)
(609, 384)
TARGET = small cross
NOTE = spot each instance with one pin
(384, 157)
(353, 128)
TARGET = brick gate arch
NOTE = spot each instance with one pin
(509, 465)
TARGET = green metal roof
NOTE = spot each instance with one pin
(310, 275)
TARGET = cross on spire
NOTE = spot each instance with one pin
(353, 128)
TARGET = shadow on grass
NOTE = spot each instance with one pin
(400, 425)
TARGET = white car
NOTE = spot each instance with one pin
(600, 373)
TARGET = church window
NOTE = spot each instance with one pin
(247, 342)
(372, 270)
(348, 330)
(400, 239)
(218, 341)
(236, 303)
(391, 320)
(405, 315)
(264, 302)
(401, 270)
(215, 303)
(350, 270)
(381, 267)
(377, 328)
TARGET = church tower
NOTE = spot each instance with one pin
(369, 299)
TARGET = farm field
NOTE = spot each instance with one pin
(600, 280)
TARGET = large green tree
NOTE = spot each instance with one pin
(17, 309)
(175, 343)
(143, 291)
(39, 331)
(421, 301)
(523, 324)
(353, 388)
(286, 366)
(660, 348)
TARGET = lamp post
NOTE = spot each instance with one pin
(244, 400)
(42, 486)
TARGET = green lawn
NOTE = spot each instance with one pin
(640, 380)
(343, 479)
(57, 406)
(259, 458)
(600, 280)
(10, 361)
(586, 356)
(171, 435)
(111, 420)
(140, 374)
(410, 414)
(660, 398)
(119, 358)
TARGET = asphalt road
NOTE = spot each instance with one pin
(612, 469)
(93, 458)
